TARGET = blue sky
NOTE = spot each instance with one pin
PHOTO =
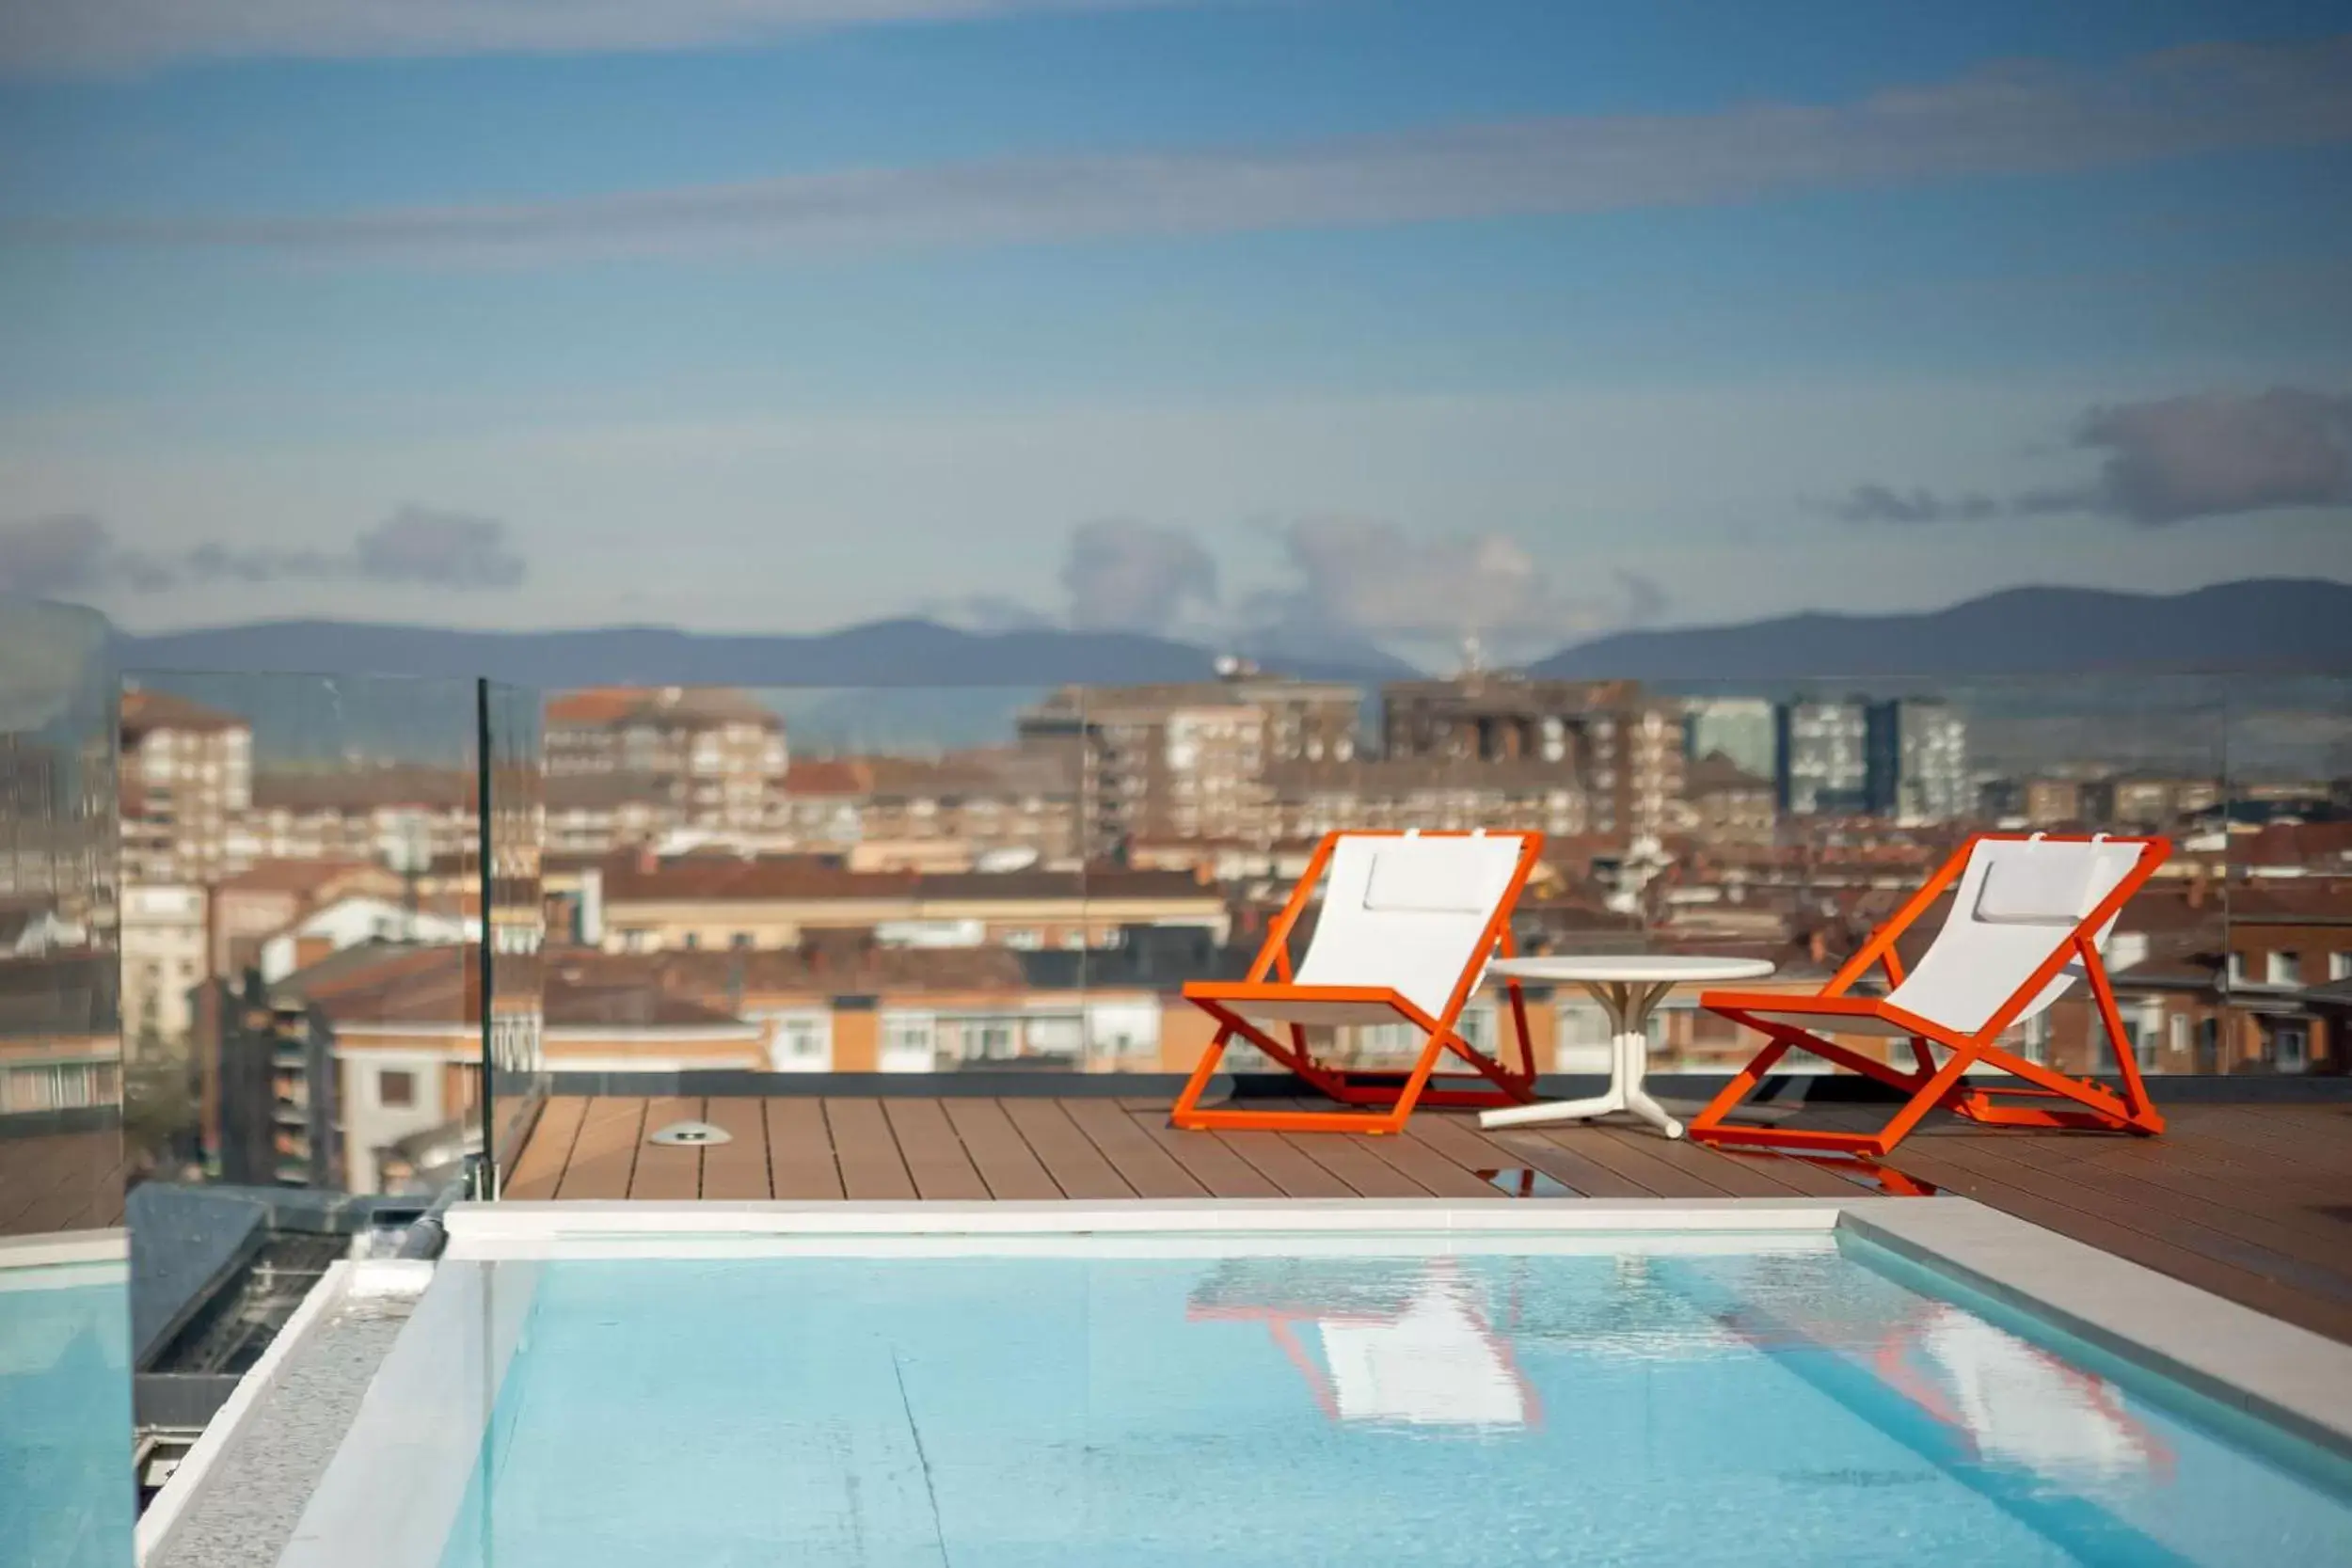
(1351, 317)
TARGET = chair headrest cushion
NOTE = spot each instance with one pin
(2037, 884)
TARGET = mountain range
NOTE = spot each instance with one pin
(2270, 625)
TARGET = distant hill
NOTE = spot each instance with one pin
(2261, 626)
(2269, 625)
(902, 653)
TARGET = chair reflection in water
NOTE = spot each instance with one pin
(2018, 1404)
(1414, 1350)
(1998, 1399)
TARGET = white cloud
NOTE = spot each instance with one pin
(90, 36)
(2017, 118)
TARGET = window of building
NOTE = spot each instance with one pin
(2148, 1037)
(803, 1043)
(694, 940)
(2237, 967)
(2178, 1042)
(396, 1089)
(1026, 939)
(2290, 1045)
(907, 1042)
(990, 1039)
(2286, 969)
(2339, 966)
(2035, 1046)
(740, 941)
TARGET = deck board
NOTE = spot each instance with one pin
(1005, 1162)
(935, 1157)
(2251, 1202)
(669, 1170)
(738, 1167)
(1068, 1154)
(604, 1156)
(800, 1162)
(540, 1165)
(872, 1163)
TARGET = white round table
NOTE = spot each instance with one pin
(1628, 987)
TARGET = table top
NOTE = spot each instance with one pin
(1635, 968)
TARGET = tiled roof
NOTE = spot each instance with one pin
(601, 708)
(144, 712)
(299, 877)
(1716, 773)
(845, 776)
(366, 790)
(772, 877)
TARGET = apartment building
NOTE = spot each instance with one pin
(60, 1049)
(716, 756)
(1186, 761)
(725, 903)
(1624, 753)
(270, 895)
(401, 815)
(1727, 804)
(956, 812)
(1437, 794)
(187, 779)
(164, 938)
(595, 814)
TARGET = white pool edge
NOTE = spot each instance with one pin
(186, 1486)
(541, 1230)
(397, 1483)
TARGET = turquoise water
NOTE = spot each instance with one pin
(66, 1488)
(1612, 1408)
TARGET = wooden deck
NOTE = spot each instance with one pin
(2253, 1202)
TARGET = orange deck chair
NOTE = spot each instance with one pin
(1406, 926)
(2029, 918)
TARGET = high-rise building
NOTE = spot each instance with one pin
(1821, 764)
(187, 774)
(1741, 729)
(1905, 758)
(1624, 752)
(1923, 744)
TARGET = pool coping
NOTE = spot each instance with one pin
(397, 1485)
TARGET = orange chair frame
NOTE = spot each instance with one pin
(1397, 1093)
(2095, 1105)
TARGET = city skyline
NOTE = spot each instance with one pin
(1343, 321)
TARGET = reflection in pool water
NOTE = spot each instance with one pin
(1613, 1407)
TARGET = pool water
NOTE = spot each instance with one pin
(1607, 1408)
(66, 1495)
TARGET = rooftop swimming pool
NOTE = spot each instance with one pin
(65, 1497)
(1274, 1400)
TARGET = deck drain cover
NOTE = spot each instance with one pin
(692, 1134)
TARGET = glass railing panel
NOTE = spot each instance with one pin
(813, 880)
(2283, 837)
(514, 828)
(68, 1497)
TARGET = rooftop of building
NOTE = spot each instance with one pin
(145, 711)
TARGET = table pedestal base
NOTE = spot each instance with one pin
(1629, 1007)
